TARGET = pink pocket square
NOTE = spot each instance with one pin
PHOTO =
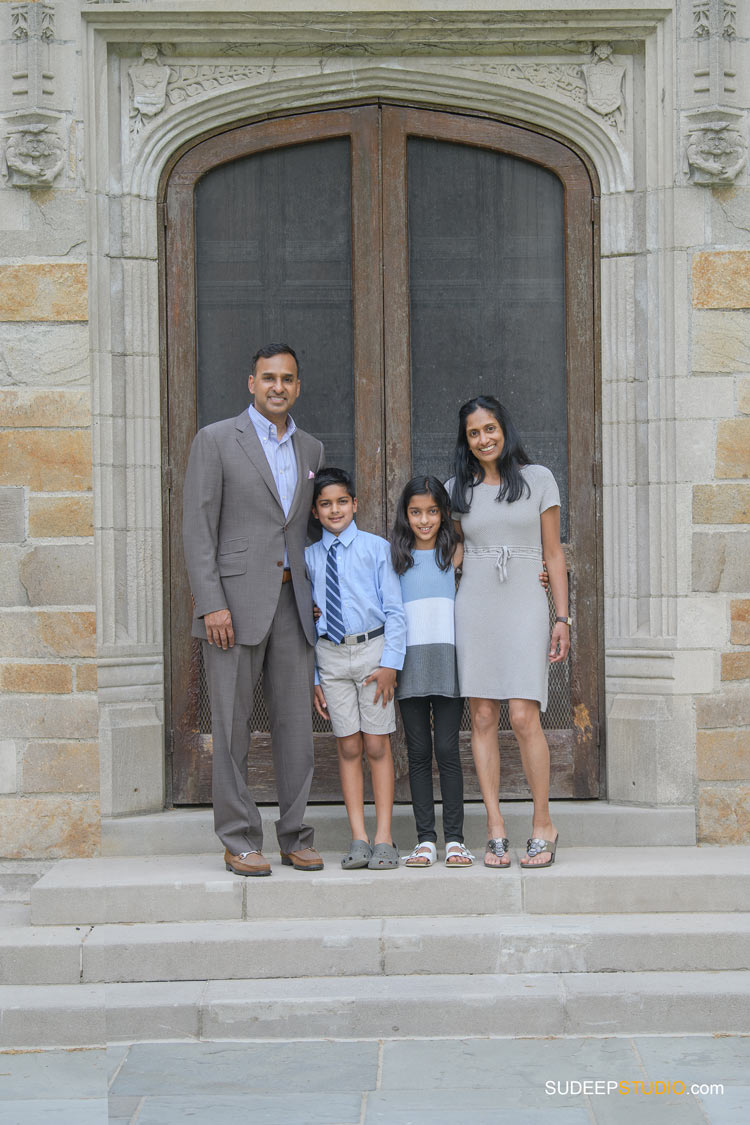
(310, 474)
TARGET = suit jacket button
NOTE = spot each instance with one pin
(280, 563)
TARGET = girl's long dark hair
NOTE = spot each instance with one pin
(469, 472)
(402, 537)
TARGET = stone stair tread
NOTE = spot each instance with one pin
(542, 1004)
(444, 944)
(584, 880)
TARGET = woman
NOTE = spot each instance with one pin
(509, 514)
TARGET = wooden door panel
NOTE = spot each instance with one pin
(498, 272)
(490, 258)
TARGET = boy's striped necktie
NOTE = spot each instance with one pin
(334, 619)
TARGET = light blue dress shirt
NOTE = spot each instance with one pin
(370, 589)
(280, 457)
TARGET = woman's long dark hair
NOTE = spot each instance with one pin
(403, 539)
(469, 472)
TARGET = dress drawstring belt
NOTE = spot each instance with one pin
(501, 556)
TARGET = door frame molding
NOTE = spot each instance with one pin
(649, 678)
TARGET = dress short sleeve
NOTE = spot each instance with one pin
(549, 493)
(449, 489)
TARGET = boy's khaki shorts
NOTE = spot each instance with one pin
(342, 670)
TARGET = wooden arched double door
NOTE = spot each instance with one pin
(413, 258)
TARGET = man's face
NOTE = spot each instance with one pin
(275, 385)
(335, 508)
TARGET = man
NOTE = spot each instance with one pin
(248, 494)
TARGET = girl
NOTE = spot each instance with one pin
(424, 550)
(509, 512)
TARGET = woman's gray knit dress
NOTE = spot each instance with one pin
(502, 615)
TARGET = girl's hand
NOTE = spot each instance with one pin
(559, 643)
(544, 577)
(458, 556)
(320, 702)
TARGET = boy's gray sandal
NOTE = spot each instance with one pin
(384, 857)
(359, 854)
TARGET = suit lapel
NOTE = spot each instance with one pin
(250, 443)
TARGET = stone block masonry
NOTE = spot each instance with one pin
(721, 547)
(49, 764)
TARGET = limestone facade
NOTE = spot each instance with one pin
(97, 97)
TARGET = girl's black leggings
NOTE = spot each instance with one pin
(446, 720)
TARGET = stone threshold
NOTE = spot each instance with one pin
(580, 824)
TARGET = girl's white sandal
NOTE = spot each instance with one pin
(453, 848)
(424, 855)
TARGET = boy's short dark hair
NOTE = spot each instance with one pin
(332, 475)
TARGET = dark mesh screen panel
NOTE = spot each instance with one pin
(486, 261)
(273, 234)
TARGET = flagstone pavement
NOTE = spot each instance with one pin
(385, 1082)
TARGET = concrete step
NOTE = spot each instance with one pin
(343, 947)
(512, 1005)
(583, 881)
(580, 824)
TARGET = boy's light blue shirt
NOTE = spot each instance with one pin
(370, 589)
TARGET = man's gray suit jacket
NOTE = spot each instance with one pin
(235, 530)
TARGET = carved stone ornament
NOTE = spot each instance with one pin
(33, 155)
(148, 80)
(604, 83)
(180, 83)
(716, 151)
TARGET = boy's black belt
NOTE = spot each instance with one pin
(356, 638)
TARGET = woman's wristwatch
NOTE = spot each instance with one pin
(564, 620)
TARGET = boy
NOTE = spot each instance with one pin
(361, 645)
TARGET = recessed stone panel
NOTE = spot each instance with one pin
(50, 291)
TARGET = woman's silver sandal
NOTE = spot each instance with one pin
(535, 846)
(498, 847)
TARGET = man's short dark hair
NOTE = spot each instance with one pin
(273, 349)
(332, 475)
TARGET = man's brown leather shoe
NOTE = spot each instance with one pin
(306, 859)
(249, 863)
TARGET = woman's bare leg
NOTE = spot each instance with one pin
(485, 715)
(527, 727)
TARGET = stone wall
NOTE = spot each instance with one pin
(49, 763)
(721, 515)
